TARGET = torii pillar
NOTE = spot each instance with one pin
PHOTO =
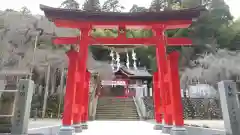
(69, 98)
(81, 75)
(167, 69)
(81, 102)
(158, 105)
(86, 101)
(167, 103)
(175, 95)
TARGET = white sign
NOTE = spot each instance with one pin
(106, 82)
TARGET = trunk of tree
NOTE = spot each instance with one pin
(46, 91)
(53, 80)
(7, 105)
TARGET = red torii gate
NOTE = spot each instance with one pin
(166, 80)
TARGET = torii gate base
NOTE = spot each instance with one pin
(167, 96)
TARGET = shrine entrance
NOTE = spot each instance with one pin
(118, 91)
(115, 88)
(166, 85)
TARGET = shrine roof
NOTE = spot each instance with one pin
(140, 72)
(78, 15)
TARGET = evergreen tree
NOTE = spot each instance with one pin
(92, 5)
(112, 6)
(136, 8)
(70, 4)
(158, 5)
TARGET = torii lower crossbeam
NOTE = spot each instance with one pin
(123, 41)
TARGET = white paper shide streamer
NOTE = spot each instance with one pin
(115, 62)
(127, 62)
(134, 59)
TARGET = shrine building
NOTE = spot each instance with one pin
(126, 82)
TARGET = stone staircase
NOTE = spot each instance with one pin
(113, 108)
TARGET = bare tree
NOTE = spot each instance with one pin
(211, 68)
(17, 36)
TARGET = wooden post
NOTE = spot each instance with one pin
(70, 89)
(175, 90)
(157, 102)
(82, 62)
(167, 100)
(86, 101)
(175, 95)
(162, 68)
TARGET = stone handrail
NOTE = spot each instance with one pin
(94, 106)
(139, 111)
(93, 100)
(143, 107)
(139, 101)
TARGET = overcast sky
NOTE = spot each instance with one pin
(33, 5)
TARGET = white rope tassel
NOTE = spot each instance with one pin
(115, 62)
(118, 60)
(112, 56)
(127, 62)
(134, 59)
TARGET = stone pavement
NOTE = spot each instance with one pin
(43, 123)
(213, 124)
(118, 127)
(102, 127)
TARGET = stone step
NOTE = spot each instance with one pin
(119, 119)
(101, 117)
(116, 98)
(119, 102)
(114, 106)
(112, 100)
(116, 103)
(125, 113)
(116, 115)
(115, 111)
(116, 118)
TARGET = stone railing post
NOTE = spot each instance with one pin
(230, 108)
(22, 107)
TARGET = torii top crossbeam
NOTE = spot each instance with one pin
(174, 19)
(70, 18)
